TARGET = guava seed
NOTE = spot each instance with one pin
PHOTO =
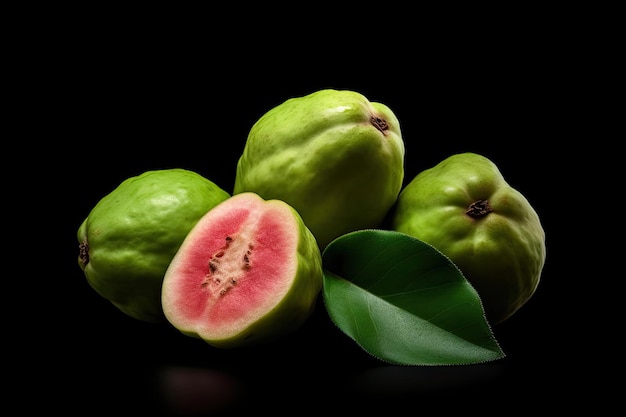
(219, 266)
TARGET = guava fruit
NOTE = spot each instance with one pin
(247, 273)
(333, 155)
(464, 207)
(130, 236)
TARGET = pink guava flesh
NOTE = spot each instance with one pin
(235, 265)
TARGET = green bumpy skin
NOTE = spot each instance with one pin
(464, 207)
(130, 236)
(333, 155)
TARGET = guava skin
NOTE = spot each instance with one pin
(333, 155)
(464, 207)
(130, 236)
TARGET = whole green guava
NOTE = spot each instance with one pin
(333, 155)
(131, 235)
(464, 208)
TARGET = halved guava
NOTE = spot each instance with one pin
(130, 236)
(248, 272)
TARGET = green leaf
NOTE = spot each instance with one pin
(404, 302)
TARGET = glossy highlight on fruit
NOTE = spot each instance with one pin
(130, 236)
(333, 155)
(464, 207)
(249, 272)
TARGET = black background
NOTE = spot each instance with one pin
(113, 109)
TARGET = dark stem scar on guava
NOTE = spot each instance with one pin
(83, 252)
(379, 123)
(478, 209)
